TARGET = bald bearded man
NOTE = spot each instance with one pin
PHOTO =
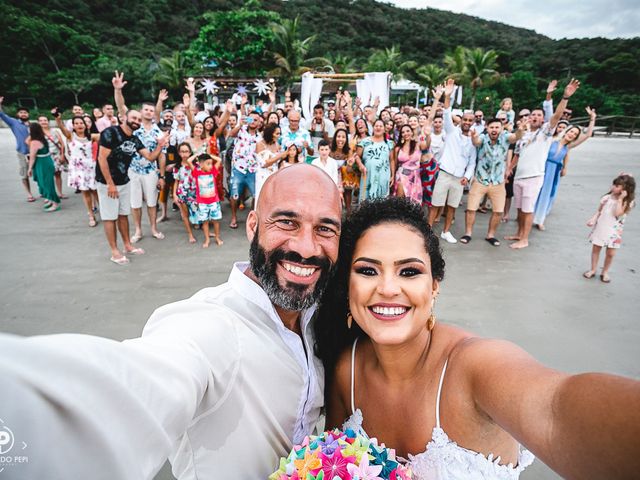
(222, 384)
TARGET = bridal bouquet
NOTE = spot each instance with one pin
(340, 455)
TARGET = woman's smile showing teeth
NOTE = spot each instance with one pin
(388, 311)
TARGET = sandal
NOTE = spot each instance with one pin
(233, 225)
(92, 221)
(465, 239)
(31, 199)
(136, 238)
(589, 274)
(605, 279)
(158, 235)
(493, 241)
(135, 251)
(120, 261)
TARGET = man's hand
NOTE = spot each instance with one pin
(563, 172)
(553, 84)
(230, 106)
(112, 190)
(591, 112)
(163, 95)
(191, 86)
(571, 88)
(186, 99)
(449, 87)
(118, 81)
(464, 181)
(163, 139)
(358, 101)
(272, 94)
(437, 92)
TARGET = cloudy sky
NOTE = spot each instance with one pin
(586, 18)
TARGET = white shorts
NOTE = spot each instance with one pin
(447, 189)
(111, 208)
(146, 185)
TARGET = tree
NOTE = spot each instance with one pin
(456, 64)
(235, 41)
(390, 60)
(342, 63)
(430, 75)
(290, 52)
(171, 72)
(480, 69)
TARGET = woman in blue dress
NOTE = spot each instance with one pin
(376, 161)
(556, 166)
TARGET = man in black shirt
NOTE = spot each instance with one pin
(117, 147)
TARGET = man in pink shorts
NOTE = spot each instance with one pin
(533, 149)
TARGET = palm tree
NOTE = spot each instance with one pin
(390, 60)
(172, 71)
(431, 75)
(481, 70)
(342, 63)
(290, 52)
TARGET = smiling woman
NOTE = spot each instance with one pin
(412, 382)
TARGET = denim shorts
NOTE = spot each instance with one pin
(239, 181)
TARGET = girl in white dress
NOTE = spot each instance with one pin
(608, 223)
(455, 405)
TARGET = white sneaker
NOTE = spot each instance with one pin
(446, 236)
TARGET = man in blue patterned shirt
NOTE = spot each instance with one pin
(489, 179)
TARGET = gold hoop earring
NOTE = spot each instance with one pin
(431, 322)
(349, 320)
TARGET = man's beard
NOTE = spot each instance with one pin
(293, 297)
(133, 125)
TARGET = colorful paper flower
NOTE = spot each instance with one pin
(261, 87)
(309, 464)
(357, 449)
(336, 465)
(364, 471)
(329, 445)
(381, 457)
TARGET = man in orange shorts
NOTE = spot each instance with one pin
(489, 178)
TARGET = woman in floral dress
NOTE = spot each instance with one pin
(82, 166)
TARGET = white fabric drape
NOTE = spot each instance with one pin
(378, 84)
(459, 97)
(363, 92)
(310, 92)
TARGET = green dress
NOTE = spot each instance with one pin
(43, 173)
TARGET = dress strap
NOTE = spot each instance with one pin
(444, 369)
(353, 376)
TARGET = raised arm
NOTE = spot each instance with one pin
(547, 105)
(589, 133)
(60, 124)
(163, 95)
(6, 118)
(446, 115)
(190, 100)
(569, 90)
(582, 426)
(229, 107)
(119, 83)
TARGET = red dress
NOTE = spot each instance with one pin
(213, 150)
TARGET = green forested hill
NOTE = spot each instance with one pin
(55, 50)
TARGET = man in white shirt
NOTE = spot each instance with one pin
(457, 165)
(478, 122)
(531, 157)
(319, 127)
(223, 383)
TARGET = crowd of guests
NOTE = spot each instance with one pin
(191, 159)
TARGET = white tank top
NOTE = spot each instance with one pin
(443, 459)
